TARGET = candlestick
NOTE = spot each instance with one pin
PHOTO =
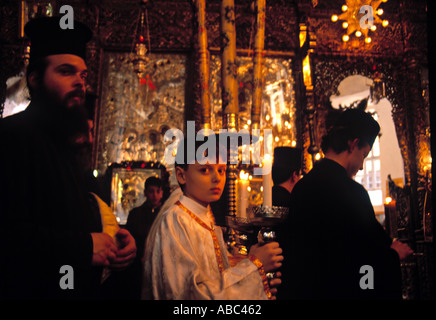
(267, 181)
(390, 217)
(243, 194)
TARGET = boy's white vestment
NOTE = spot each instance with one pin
(186, 258)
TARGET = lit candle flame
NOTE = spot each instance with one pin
(243, 175)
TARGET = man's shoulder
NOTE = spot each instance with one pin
(280, 196)
(133, 213)
(278, 188)
(356, 190)
(137, 209)
(325, 173)
(17, 126)
(320, 183)
(17, 134)
(17, 118)
(137, 212)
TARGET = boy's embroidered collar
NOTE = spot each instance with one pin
(198, 209)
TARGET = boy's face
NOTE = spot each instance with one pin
(154, 195)
(203, 182)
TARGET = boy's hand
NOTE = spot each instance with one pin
(270, 255)
(274, 283)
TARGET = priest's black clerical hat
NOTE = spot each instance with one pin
(47, 37)
(287, 157)
(286, 160)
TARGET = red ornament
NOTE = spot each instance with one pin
(150, 83)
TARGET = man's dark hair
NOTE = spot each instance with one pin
(153, 181)
(337, 140)
(351, 124)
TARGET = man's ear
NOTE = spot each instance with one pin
(295, 175)
(180, 175)
(33, 79)
(353, 144)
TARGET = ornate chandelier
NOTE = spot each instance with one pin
(141, 58)
(359, 17)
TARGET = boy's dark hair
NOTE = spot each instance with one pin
(153, 181)
(186, 155)
(351, 124)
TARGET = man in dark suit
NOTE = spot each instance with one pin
(333, 245)
(286, 170)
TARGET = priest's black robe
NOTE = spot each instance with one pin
(331, 233)
(46, 216)
(280, 196)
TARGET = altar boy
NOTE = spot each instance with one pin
(186, 257)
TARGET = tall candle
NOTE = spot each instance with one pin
(267, 181)
(390, 217)
(243, 194)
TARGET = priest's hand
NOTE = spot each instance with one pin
(104, 249)
(270, 255)
(126, 252)
(402, 249)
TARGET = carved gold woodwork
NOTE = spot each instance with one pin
(204, 71)
(134, 117)
(278, 96)
(229, 86)
(259, 44)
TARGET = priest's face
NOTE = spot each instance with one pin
(60, 91)
(203, 182)
(64, 80)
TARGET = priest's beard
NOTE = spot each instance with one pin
(68, 116)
